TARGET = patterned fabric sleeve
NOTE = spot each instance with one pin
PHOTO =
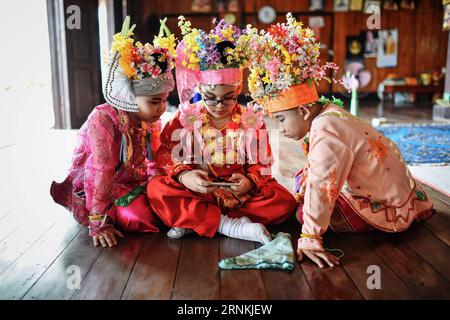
(100, 170)
(330, 161)
(163, 158)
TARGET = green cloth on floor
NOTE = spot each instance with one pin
(277, 254)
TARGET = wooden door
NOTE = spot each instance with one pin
(83, 61)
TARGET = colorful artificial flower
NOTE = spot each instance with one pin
(225, 46)
(287, 55)
(123, 44)
(189, 115)
(252, 118)
(140, 61)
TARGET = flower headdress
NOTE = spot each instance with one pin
(139, 69)
(224, 47)
(284, 73)
(217, 57)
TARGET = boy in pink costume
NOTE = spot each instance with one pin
(355, 179)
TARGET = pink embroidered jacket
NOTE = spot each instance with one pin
(112, 155)
(348, 157)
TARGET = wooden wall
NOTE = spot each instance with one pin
(422, 43)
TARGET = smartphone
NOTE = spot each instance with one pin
(224, 184)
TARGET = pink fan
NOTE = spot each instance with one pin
(356, 77)
(361, 77)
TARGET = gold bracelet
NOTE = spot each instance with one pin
(311, 236)
(96, 217)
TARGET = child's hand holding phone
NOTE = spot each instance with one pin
(244, 184)
(197, 180)
(225, 184)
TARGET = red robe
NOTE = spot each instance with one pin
(177, 206)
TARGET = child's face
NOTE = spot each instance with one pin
(151, 107)
(227, 94)
(294, 123)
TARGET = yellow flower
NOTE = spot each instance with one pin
(121, 43)
(228, 34)
(286, 56)
(124, 46)
(252, 78)
(166, 43)
(288, 69)
(184, 25)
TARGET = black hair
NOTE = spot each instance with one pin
(221, 47)
(161, 64)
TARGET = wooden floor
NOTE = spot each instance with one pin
(43, 252)
(37, 265)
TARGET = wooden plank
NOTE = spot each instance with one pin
(26, 270)
(283, 285)
(358, 256)
(153, 276)
(439, 226)
(4, 213)
(336, 281)
(5, 146)
(239, 284)
(9, 224)
(109, 275)
(435, 252)
(21, 239)
(330, 283)
(412, 269)
(53, 284)
(197, 273)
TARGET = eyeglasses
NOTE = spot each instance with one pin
(215, 102)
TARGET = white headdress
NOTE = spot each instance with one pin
(136, 69)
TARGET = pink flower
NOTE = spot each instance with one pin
(252, 118)
(189, 115)
(146, 67)
(156, 72)
(272, 67)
